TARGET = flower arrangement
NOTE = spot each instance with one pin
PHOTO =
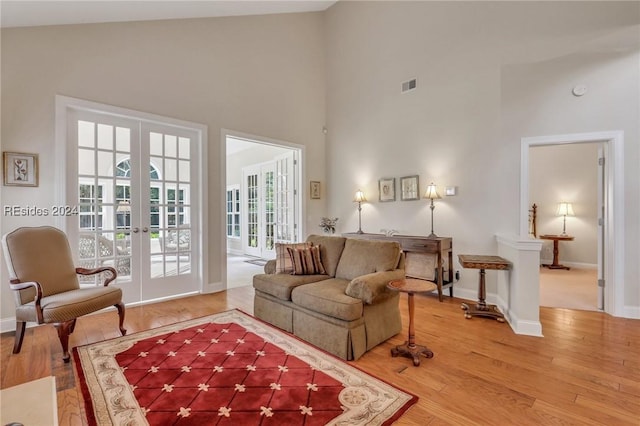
(328, 225)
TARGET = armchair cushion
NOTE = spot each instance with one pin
(66, 306)
(45, 257)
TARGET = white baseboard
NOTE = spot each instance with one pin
(214, 288)
(576, 265)
(632, 312)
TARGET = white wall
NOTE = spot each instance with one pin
(566, 173)
(261, 75)
(464, 123)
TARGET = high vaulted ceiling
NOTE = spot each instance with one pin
(20, 13)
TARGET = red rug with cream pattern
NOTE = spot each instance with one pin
(224, 369)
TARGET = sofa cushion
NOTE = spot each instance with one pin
(283, 260)
(328, 297)
(372, 288)
(306, 261)
(361, 257)
(280, 285)
(330, 250)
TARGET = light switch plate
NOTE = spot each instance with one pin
(450, 190)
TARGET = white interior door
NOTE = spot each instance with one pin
(133, 186)
(259, 210)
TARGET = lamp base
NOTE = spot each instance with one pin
(359, 231)
(432, 235)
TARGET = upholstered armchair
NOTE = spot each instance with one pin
(46, 284)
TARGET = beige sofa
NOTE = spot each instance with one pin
(346, 311)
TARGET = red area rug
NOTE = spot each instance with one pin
(224, 369)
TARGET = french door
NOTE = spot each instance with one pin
(133, 184)
(259, 182)
(270, 205)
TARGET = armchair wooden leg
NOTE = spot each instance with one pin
(120, 307)
(64, 329)
(20, 327)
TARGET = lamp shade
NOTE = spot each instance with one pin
(431, 192)
(565, 209)
(359, 197)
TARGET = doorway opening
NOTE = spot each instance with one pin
(567, 189)
(609, 218)
(263, 202)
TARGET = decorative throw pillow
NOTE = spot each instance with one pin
(306, 261)
(283, 260)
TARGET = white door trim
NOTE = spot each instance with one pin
(302, 213)
(613, 142)
(65, 103)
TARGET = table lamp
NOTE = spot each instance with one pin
(432, 194)
(359, 198)
(564, 209)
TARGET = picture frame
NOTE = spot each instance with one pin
(314, 190)
(20, 169)
(387, 189)
(410, 188)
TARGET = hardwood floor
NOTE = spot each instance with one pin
(586, 370)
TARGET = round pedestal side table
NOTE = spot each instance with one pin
(409, 349)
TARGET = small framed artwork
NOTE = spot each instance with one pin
(315, 190)
(409, 188)
(20, 169)
(387, 188)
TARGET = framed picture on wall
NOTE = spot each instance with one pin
(409, 188)
(315, 190)
(20, 169)
(387, 189)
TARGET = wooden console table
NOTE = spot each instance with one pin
(556, 250)
(440, 246)
(482, 309)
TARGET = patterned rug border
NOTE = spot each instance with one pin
(288, 342)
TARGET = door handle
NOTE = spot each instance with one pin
(135, 230)
(145, 229)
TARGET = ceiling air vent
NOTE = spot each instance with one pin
(409, 85)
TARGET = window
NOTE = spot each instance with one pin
(233, 211)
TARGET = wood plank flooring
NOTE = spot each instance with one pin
(585, 371)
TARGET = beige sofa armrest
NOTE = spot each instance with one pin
(371, 287)
(270, 267)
